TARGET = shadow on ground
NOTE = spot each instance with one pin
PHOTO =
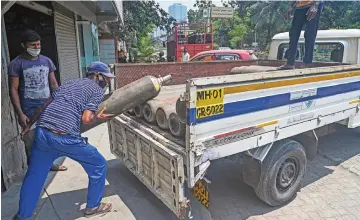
(227, 190)
(230, 194)
(137, 199)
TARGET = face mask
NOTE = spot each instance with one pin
(33, 52)
(102, 83)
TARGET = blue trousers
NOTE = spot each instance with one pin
(47, 147)
(298, 22)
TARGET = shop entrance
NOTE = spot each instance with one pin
(19, 18)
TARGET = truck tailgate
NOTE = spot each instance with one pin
(156, 166)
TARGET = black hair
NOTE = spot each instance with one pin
(90, 74)
(29, 36)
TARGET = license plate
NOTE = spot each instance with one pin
(201, 193)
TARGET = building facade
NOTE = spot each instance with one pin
(179, 12)
(70, 38)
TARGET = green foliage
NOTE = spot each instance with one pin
(195, 15)
(340, 15)
(267, 19)
(144, 48)
(229, 32)
(140, 17)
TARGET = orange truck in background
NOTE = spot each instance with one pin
(195, 37)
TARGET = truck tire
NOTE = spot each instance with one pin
(282, 172)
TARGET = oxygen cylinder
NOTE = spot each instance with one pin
(129, 96)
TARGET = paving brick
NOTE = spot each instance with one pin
(347, 217)
(272, 218)
(287, 217)
(330, 213)
(349, 203)
(314, 215)
(259, 217)
(309, 208)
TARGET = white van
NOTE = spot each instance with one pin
(341, 46)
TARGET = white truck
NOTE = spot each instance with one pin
(273, 118)
(342, 46)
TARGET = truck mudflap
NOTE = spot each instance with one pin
(160, 169)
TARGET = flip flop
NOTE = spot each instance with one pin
(103, 208)
(56, 167)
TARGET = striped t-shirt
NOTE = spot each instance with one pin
(70, 100)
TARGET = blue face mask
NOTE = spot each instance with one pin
(102, 83)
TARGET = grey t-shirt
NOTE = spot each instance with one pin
(34, 80)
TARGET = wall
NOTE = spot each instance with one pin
(108, 49)
(127, 73)
(13, 158)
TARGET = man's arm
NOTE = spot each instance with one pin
(15, 101)
(14, 94)
(313, 10)
(53, 83)
(36, 116)
(91, 107)
(52, 79)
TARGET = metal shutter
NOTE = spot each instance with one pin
(66, 43)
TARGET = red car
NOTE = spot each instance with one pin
(212, 55)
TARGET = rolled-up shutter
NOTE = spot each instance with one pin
(66, 43)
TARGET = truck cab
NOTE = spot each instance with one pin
(340, 46)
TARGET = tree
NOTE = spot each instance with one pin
(267, 18)
(194, 15)
(228, 32)
(140, 17)
(339, 15)
(144, 48)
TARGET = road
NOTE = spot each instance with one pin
(331, 188)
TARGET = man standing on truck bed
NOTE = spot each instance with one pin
(58, 134)
(305, 13)
(32, 79)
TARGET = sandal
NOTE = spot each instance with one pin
(286, 67)
(101, 209)
(56, 167)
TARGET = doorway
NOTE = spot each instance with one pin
(19, 18)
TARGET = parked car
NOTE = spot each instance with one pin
(212, 55)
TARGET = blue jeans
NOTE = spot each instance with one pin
(298, 22)
(47, 147)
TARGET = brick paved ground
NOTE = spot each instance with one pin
(331, 188)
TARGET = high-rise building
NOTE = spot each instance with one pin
(178, 11)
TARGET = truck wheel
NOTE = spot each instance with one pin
(282, 172)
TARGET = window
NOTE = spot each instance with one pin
(227, 57)
(323, 52)
(328, 52)
(88, 44)
(284, 49)
(206, 57)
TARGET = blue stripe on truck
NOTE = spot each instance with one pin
(268, 102)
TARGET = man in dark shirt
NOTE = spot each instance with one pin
(306, 13)
(58, 134)
(32, 80)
